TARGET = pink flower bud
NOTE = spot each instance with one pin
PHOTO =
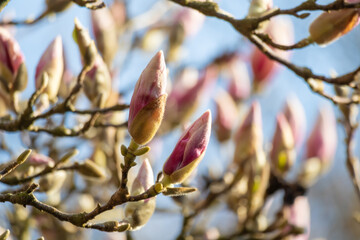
(184, 98)
(191, 21)
(239, 87)
(283, 152)
(323, 139)
(118, 11)
(189, 151)
(295, 115)
(249, 137)
(226, 116)
(139, 213)
(299, 215)
(51, 62)
(259, 7)
(97, 83)
(330, 26)
(11, 59)
(105, 34)
(148, 101)
(38, 159)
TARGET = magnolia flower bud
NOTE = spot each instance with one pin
(330, 26)
(104, 29)
(323, 139)
(139, 213)
(283, 153)
(226, 116)
(249, 137)
(37, 159)
(190, 20)
(295, 115)
(51, 62)
(299, 215)
(91, 170)
(118, 12)
(52, 182)
(12, 63)
(239, 87)
(188, 152)
(86, 45)
(259, 7)
(97, 83)
(148, 101)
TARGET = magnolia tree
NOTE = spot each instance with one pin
(48, 191)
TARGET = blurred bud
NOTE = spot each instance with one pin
(139, 213)
(283, 150)
(86, 45)
(323, 139)
(52, 182)
(51, 62)
(226, 116)
(249, 137)
(90, 169)
(239, 87)
(211, 234)
(153, 39)
(54, 6)
(4, 234)
(295, 115)
(12, 63)
(190, 20)
(97, 83)
(185, 96)
(331, 25)
(37, 159)
(118, 12)
(148, 101)
(310, 172)
(280, 30)
(299, 215)
(67, 82)
(188, 152)
(259, 7)
(105, 34)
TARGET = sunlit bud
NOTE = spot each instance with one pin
(186, 94)
(37, 159)
(104, 29)
(239, 87)
(299, 215)
(97, 83)
(330, 26)
(323, 139)
(310, 171)
(280, 30)
(139, 213)
(12, 65)
(190, 20)
(153, 39)
(86, 45)
(51, 62)
(295, 115)
(147, 104)
(283, 150)
(52, 182)
(54, 6)
(91, 170)
(249, 137)
(226, 116)
(188, 152)
(259, 7)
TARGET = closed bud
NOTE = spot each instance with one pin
(299, 215)
(249, 137)
(104, 29)
(97, 83)
(37, 159)
(52, 182)
(148, 101)
(86, 45)
(259, 7)
(118, 12)
(51, 63)
(239, 87)
(5, 235)
(91, 170)
(283, 148)
(331, 25)
(323, 139)
(225, 117)
(139, 213)
(295, 115)
(188, 152)
(190, 20)
(12, 67)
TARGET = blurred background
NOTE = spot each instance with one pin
(332, 199)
